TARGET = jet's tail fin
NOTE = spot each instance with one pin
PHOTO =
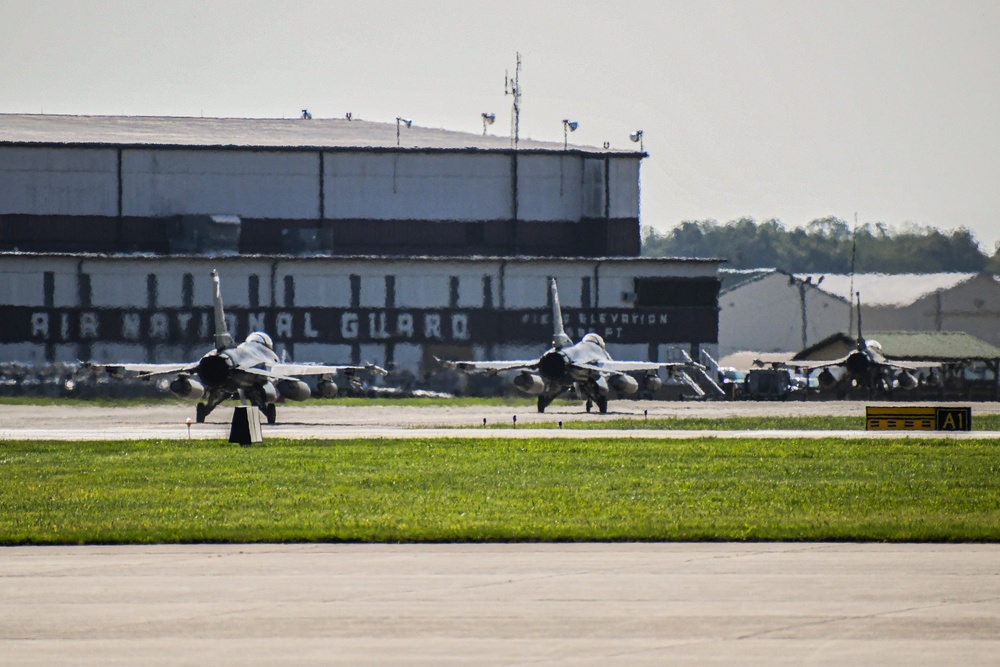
(559, 337)
(223, 340)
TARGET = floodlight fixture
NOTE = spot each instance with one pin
(405, 121)
(637, 138)
(568, 126)
(488, 119)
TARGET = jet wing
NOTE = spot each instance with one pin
(633, 366)
(146, 370)
(491, 367)
(910, 365)
(321, 369)
(810, 365)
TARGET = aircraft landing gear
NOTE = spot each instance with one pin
(543, 403)
(602, 404)
(271, 412)
(590, 404)
(200, 412)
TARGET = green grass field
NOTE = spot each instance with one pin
(499, 490)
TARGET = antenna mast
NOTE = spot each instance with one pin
(513, 87)
(850, 296)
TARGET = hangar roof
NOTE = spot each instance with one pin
(327, 133)
(877, 289)
(910, 345)
(472, 259)
(880, 289)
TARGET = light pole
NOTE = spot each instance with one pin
(568, 126)
(637, 137)
(399, 119)
(488, 119)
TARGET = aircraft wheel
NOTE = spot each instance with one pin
(602, 404)
(542, 404)
(200, 413)
(590, 405)
(271, 412)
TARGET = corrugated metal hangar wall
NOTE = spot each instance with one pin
(346, 201)
(398, 312)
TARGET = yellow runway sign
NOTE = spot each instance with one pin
(918, 418)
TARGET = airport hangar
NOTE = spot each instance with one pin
(347, 240)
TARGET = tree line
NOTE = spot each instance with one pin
(827, 245)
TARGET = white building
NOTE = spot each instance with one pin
(773, 311)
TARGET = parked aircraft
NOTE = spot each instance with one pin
(585, 366)
(865, 367)
(250, 371)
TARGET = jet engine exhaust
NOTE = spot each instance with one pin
(214, 370)
(553, 365)
(857, 364)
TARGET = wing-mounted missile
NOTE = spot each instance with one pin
(622, 383)
(295, 390)
(529, 383)
(185, 386)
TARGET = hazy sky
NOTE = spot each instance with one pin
(770, 109)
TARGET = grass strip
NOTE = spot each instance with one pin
(499, 490)
(989, 422)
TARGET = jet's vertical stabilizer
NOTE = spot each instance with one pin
(223, 340)
(559, 337)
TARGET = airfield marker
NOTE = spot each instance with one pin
(484, 422)
(189, 427)
(515, 421)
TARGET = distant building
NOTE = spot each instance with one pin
(769, 310)
(327, 186)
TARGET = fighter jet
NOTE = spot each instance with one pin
(585, 366)
(865, 367)
(250, 371)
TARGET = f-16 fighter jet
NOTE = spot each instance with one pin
(585, 366)
(250, 371)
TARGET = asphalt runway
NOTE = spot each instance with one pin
(168, 421)
(628, 604)
(501, 604)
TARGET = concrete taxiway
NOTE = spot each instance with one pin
(168, 421)
(571, 604)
